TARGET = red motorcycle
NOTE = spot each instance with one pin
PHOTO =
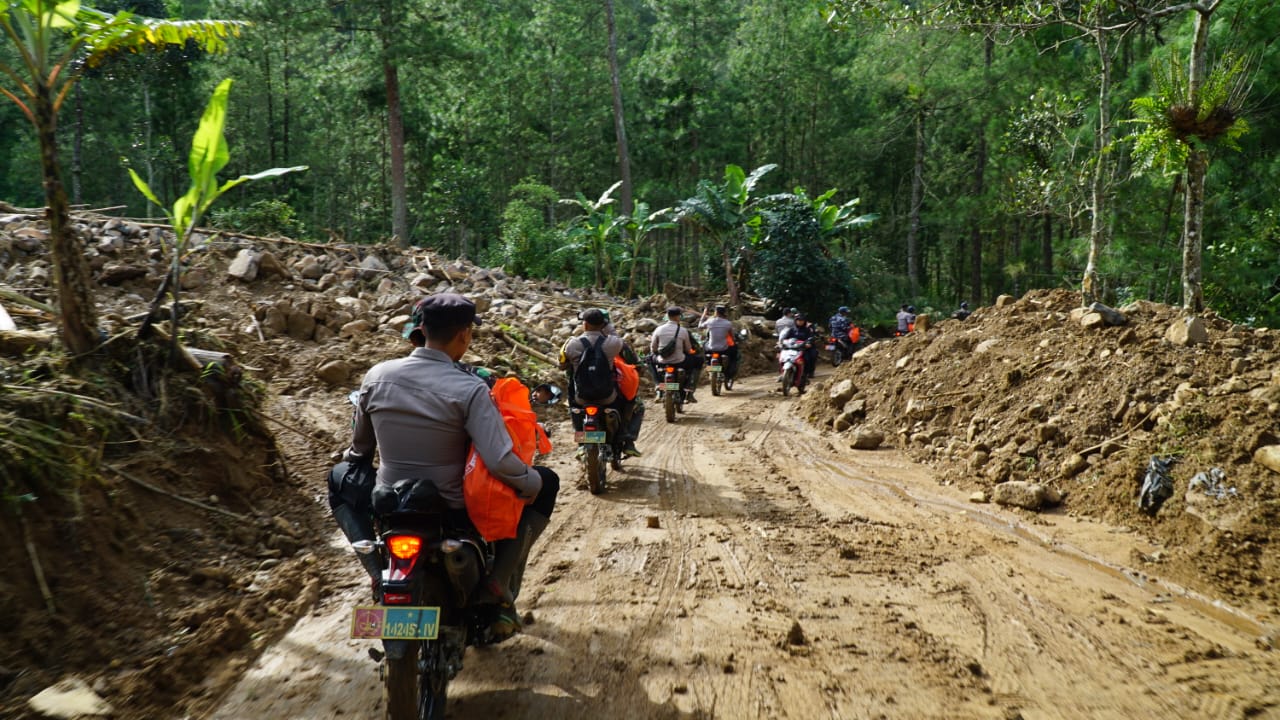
(791, 369)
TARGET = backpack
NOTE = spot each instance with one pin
(593, 378)
(492, 505)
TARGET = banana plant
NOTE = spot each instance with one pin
(724, 212)
(635, 230)
(209, 154)
(52, 44)
(593, 231)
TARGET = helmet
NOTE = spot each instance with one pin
(800, 316)
(964, 305)
(793, 311)
(843, 309)
(911, 309)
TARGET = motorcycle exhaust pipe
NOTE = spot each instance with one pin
(462, 564)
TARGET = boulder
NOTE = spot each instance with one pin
(1018, 493)
(245, 266)
(1187, 331)
(866, 440)
(841, 393)
(1268, 456)
(334, 372)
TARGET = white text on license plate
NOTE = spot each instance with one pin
(376, 622)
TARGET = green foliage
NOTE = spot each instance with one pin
(260, 217)
(528, 235)
(791, 264)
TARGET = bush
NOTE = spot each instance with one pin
(262, 217)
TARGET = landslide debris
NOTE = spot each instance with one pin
(1039, 400)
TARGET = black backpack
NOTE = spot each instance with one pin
(593, 379)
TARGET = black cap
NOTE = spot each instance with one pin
(594, 317)
(675, 310)
(441, 310)
(800, 316)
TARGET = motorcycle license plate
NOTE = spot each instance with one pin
(715, 369)
(671, 387)
(589, 436)
(831, 347)
(376, 622)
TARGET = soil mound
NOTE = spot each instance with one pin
(1038, 392)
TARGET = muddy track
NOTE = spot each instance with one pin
(787, 577)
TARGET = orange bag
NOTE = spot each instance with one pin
(855, 334)
(628, 378)
(492, 505)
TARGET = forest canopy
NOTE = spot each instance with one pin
(982, 147)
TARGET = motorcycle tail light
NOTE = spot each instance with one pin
(592, 410)
(670, 369)
(405, 547)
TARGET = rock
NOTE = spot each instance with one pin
(355, 327)
(301, 326)
(1110, 316)
(245, 266)
(1018, 493)
(334, 372)
(979, 497)
(1074, 465)
(372, 266)
(310, 268)
(1268, 456)
(118, 274)
(986, 345)
(268, 264)
(1187, 331)
(1092, 320)
(1004, 301)
(922, 322)
(866, 440)
(70, 698)
(841, 393)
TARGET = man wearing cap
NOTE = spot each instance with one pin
(682, 354)
(424, 412)
(720, 338)
(595, 325)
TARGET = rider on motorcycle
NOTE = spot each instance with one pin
(788, 320)
(720, 338)
(841, 324)
(682, 355)
(423, 413)
(803, 331)
(595, 324)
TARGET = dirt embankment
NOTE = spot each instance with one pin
(1027, 392)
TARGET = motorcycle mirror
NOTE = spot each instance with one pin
(546, 394)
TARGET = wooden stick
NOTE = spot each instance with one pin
(24, 300)
(35, 566)
(179, 498)
(521, 346)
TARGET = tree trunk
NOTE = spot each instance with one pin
(917, 204)
(626, 201)
(730, 283)
(77, 165)
(1090, 288)
(77, 317)
(395, 136)
(979, 186)
(1197, 168)
(1046, 247)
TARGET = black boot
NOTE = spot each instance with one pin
(357, 526)
(507, 573)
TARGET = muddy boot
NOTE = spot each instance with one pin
(360, 527)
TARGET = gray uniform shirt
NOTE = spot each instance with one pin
(663, 334)
(573, 351)
(783, 323)
(423, 413)
(718, 331)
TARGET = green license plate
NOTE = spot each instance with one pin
(671, 387)
(590, 436)
(375, 622)
(715, 368)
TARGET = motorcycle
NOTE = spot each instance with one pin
(843, 347)
(791, 370)
(599, 437)
(717, 364)
(671, 391)
(423, 609)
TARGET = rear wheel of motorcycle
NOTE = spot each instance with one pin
(788, 379)
(595, 470)
(433, 684)
(400, 686)
(669, 405)
(715, 384)
(837, 357)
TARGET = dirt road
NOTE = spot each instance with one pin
(789, 577)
